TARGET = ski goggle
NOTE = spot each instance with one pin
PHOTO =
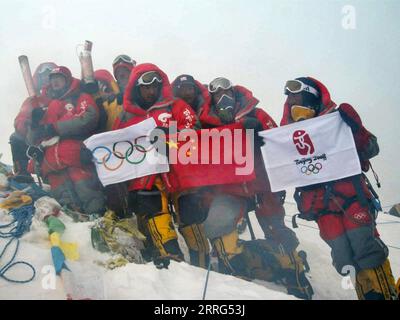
(219, 83)
(124, 58)
(301, 113)
(46, 68)
(296, 86)
(149, 78)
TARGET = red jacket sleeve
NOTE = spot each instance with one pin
(24, 116)
(265, 119)
(184, 115)
(85, 120)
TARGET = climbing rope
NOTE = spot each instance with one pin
(21, 224)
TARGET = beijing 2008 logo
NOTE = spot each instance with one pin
(310, 165)
(303, 143)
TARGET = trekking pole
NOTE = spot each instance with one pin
(207, 276)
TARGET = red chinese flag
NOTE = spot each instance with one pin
(217, 156)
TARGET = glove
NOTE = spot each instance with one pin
(120, 98)
(350, 116)
(258, 141)
(35, 153)
(50, 130)
(162, 262)
(45, 132)
(281, 195)
(37, 116)
(156, 137)
(165, 149)
(99, 102)
(86, 156)
(90, 87)
(252, 123)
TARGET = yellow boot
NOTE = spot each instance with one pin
(295, 279)
(164, 236)
(230, 254)
(376, 284)
(197, 243)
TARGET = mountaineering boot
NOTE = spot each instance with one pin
(149, 250)
(164, 238)
(243, 258)
(376, 284)
(274, 228)
(295, 278)
(288, 268)
(20, 159)
(230, 255)
(196, 241)
(21, 175)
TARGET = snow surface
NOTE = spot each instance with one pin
(181, 281)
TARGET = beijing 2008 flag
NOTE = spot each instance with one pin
(313, 151)
(126, 154)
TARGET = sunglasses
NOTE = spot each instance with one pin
(149, 78)
(296, 86)
(219, 83)
(124, 58)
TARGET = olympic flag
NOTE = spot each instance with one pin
(309, 152)
(126, 154)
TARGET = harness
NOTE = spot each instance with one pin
(371, 202)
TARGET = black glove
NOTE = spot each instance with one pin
(252, 123)
(120, 98)
(163, 129)
(90, 87)
(161, 262)
(163, 140)
(258, 141)
(35, 153)
(281, 195)
(45, 132)
(37, 116)
(86, 156)
(50, 130)
(99, 102)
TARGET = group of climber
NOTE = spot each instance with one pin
(48, 140)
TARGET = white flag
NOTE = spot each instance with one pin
(313, 151)
(126, 154)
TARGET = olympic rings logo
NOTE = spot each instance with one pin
(311, 168)
(134, 154)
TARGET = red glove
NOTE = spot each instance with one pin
(361, 135)
(350, 116)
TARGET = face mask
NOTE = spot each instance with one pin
(301, 113)
(225, 108)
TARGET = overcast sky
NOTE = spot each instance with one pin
(351, 46)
